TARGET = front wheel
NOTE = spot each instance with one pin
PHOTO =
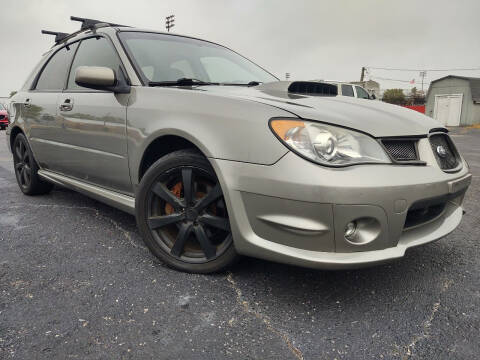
(182, 215)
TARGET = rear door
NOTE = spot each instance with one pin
(95, 122)
(40, 109)
(347, 90)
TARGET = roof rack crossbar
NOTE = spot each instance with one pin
(59, 36)
(90, 23)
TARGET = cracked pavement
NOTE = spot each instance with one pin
(76, 281)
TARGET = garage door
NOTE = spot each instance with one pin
(448, 109)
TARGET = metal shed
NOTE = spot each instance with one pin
(454, 100)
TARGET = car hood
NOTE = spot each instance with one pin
(374, 117)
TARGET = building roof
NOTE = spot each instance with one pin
(474, 83)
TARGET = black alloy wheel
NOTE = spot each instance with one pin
(26, 169)
(183, 210)
(23, 167)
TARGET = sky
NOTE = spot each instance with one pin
(310, 39)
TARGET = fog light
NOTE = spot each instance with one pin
(350, 229)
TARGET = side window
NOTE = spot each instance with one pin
(93, 52)
(361, 93)
(55, 72)
(347, 90)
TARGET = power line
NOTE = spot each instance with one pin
(403, 69)
(389, 79)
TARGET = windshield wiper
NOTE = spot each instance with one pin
(251, 83)
(181, 82)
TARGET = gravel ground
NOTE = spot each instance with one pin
(76, 281)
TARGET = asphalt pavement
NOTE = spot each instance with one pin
(77, 282)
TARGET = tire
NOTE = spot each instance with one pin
(26, 169)
(182, 215)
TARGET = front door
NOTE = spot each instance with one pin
(448, 109)
(95, 123)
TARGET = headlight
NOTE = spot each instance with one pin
(328, 145)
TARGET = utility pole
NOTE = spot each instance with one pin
(362, 76)
(423, 74)
(287, 76)
(169, 22)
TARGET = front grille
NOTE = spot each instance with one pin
(401, 150)
(444, 151)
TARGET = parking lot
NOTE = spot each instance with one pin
(76, 281)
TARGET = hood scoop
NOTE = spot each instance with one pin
(312, 88)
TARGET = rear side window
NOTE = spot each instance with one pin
(93, 52)
(55, 72)
(361, 93)
(347, 90)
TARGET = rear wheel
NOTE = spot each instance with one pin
(26, 169)
(182, 214)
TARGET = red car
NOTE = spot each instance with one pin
(3, 117)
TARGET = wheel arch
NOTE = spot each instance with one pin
(13, 134)
(162, 145)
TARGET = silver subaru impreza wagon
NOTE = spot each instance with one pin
(217, 158)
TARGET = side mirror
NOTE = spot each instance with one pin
(100, 78)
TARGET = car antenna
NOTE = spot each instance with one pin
(59, 36)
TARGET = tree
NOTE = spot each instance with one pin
(394, 96)
(12, 93)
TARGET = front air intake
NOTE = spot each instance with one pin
(313, 88)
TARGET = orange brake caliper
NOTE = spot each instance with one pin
(176, 190)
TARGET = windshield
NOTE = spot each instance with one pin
(1, 107)
(160, 57)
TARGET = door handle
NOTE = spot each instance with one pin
(27, 103)
(67, 105)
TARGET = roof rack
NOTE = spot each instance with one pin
(86, 24)
(59, 36)
(90, 23)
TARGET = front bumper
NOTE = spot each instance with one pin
(295, 212)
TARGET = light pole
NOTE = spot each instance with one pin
(423, 74)
(169, 22)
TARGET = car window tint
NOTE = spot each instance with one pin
(93, 52)
(347, 90)
(361, 93)
(55, 72)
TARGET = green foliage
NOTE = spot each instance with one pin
(394, 96)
